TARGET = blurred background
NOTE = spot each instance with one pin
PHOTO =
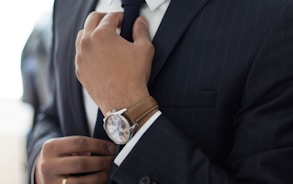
(18, 18)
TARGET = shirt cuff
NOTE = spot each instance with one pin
(129, 146)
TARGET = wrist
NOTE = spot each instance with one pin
(145, 119)
(124, 101)
(122, 124)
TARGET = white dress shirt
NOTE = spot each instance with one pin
(153, 11)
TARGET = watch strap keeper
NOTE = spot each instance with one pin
(141, 109)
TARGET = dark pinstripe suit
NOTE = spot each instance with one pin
(223, 77)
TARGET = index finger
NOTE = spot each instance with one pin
(111, 21)
(92, 21)
(78, 144)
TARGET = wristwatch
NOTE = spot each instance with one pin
(121, 125)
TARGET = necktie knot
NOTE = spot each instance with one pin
(131, 12)
(132, 2)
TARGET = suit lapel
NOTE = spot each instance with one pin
(83, 8)
(178, 16)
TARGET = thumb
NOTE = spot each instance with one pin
(140, 30)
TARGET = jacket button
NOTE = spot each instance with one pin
(145, 180)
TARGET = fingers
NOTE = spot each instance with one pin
(70, 156)
(111, 21)
(140, 30)
(99, 177)
(93, 21)
(97, 24)
(78, 144)
(141, 36)
(78, 164)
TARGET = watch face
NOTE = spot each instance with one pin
(117, 128)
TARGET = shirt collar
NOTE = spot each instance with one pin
(152, 4)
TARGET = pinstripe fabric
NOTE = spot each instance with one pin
(223, 77)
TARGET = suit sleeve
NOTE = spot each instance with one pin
(47, 127)
(262, 151)
(47, 124)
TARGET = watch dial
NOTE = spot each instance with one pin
(118, 129)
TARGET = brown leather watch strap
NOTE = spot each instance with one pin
(140, 110)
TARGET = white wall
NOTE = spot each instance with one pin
(17, 18)
(16, 118)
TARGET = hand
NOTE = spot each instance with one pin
(69, 157)
(115, 72)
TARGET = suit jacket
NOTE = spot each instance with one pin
(34, 63)
(223, 77)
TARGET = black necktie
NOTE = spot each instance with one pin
(131, 12)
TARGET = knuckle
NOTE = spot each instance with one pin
(79, 164)
(45, 167)
(80, 142)
(80, 32)
(115, 15)
(85, 42)
(49, 146)
(100, 34)
(94, 15)
(148, 46)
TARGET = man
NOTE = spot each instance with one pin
(220, 71)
